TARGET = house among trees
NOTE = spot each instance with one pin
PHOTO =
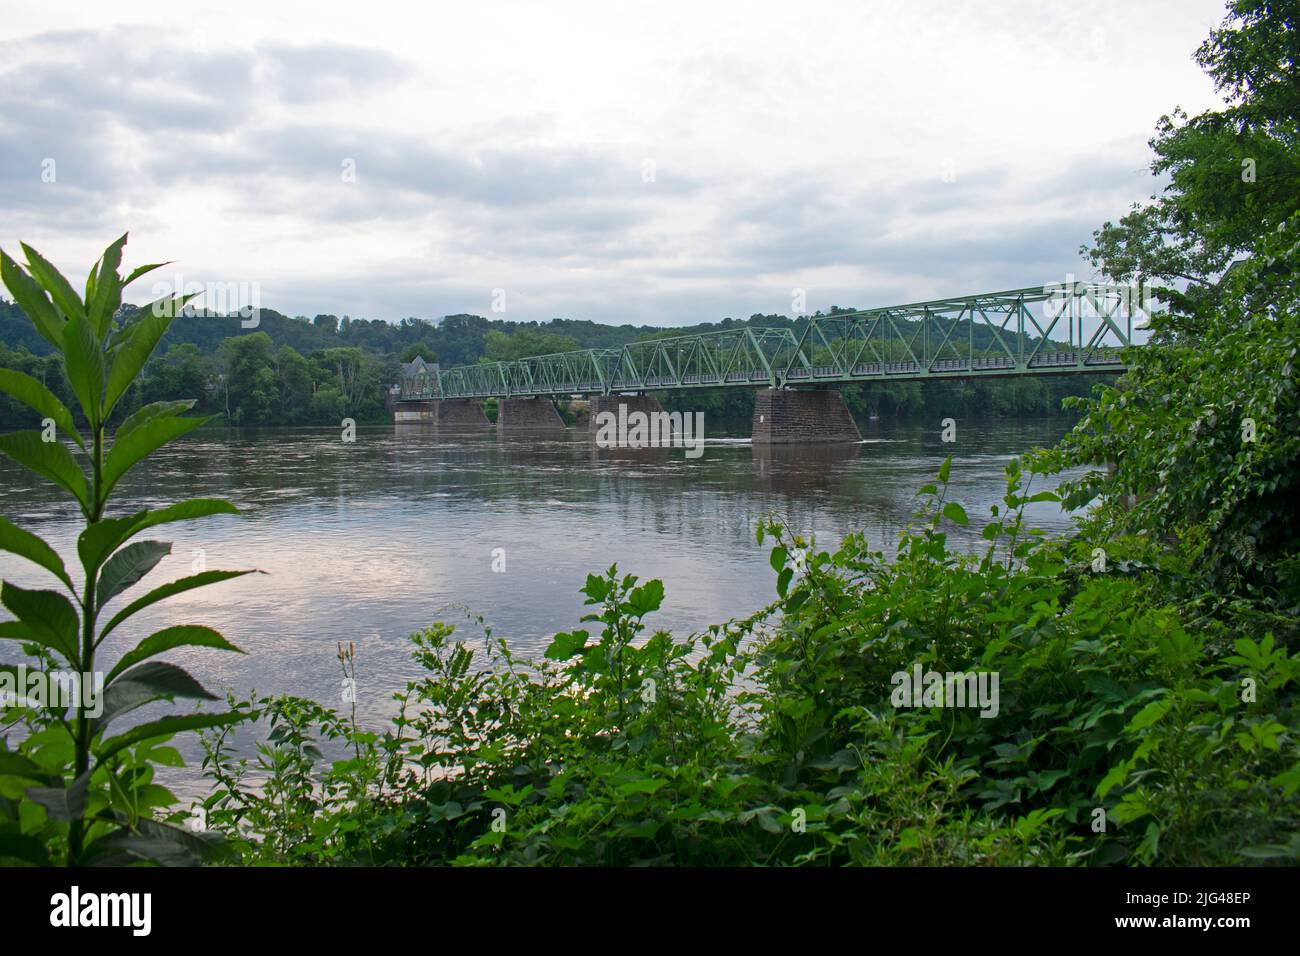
(419, 378)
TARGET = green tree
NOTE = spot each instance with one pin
(1233, 174)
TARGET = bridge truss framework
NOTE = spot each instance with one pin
(1093, 323)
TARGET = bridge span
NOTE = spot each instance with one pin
(1053, 329)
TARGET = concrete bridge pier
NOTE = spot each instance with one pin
(451, 414)
(528, 416)
(784, 417)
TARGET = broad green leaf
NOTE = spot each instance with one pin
(103, 537)
(31, 298)
(164, 727)
(84, 362)
(63, 804)
(40, 399)
(152, 841)
(64, 296)
(47, 616)
(107, 294)
(51, 460)
(565, 645)
(154, 680)
(148, 413)
(127, 567)
(182, 635)
(17, 765)
(167, 590)
(142, 336)
(945, 469)
(648, 597)
(955, 513)
(131, 448)
(1149, 714)
(27, 545)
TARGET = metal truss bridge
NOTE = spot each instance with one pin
(1053, 329)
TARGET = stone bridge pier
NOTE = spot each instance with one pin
(784, 417)
(528, 416)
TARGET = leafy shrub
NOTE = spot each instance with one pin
(69, 790)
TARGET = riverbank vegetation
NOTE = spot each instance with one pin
(1143, 669)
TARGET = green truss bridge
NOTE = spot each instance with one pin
(1053, 329)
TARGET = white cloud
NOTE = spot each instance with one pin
(504, 145)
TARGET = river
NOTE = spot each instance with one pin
(370, 540)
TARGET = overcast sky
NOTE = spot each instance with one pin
(661, 163)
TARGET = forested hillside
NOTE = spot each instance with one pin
(300, 371)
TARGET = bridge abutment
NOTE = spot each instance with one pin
(787, 417)
(452, 414)
(530, 416)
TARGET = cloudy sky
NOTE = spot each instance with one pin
(660, 163)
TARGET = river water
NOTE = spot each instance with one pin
(370, 540)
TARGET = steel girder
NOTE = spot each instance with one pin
(1053, 329)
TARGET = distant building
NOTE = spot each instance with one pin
(418, 367)
(419, 379)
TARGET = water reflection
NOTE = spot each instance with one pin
(371, 540)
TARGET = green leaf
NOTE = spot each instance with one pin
(955, 513)
(64, 296)
(31, 298)
(103, 537)
(154, 680)
(128, 566)
(783, 581)
(165, 727)
(777, 558)
(148, 413)
(142, 336)
(50, 460)
(152, 841)
(84, 361)
(16, 765)
(102, 305)
(47, 617)
(27, 545)
(129, 449)
(945, 469)
(648, 597)
(144, 270)
(565, 645)
(60, 803)
(1149, 715)
(41, 400)
(166, 591)
(182, 635)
